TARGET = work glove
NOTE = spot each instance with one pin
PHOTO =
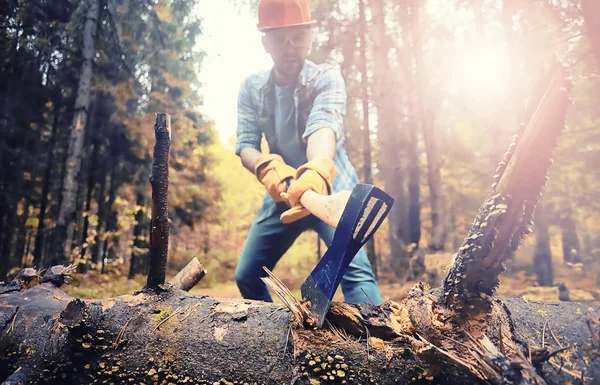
(274, 174)
(316, 175)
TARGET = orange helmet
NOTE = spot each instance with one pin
(283, 13)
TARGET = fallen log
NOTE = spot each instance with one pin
(173, 337)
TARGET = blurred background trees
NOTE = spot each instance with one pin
(436, 89)
(80, 83)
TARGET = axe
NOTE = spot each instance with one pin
(355, 215)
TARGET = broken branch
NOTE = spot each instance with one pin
(189, 276)
(159, 179)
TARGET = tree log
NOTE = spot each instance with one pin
(173, 337)
(159, 179)
(189, 276)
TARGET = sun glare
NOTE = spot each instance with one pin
(234, 50)
(479, 71)
(476, 71)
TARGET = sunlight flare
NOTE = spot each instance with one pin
(479, 70)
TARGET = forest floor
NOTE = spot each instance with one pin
(582, 280)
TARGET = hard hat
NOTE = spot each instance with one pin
(283, 13)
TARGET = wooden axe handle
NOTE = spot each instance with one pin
(328, 208)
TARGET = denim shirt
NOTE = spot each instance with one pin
(320, 101)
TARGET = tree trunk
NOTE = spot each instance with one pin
(88, 199)
(570, 240)
(437, 238)
(542, 255)
(64, 226)
(389, 133)
(591, 15)
(413, 166)
(101, 199)
(49, 337)
(159, 179)
(85, 178)
(139, 246)
(111, 218)
(38, 248)
(367, 161)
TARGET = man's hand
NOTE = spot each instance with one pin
(316, 175)
(272, 171)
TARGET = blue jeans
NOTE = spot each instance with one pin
(267, 241)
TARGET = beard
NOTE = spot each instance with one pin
(290, 66)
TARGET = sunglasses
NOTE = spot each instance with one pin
(278, 40)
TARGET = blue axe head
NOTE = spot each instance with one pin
(366, 209)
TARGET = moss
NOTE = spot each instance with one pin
(161, 315)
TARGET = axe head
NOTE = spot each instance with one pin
(366, 209)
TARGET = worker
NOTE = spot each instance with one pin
(299, 107)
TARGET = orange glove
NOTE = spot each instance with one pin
(274, 174)
(316, 175)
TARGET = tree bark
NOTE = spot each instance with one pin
(189, 276)
(542, 255)
(367, 160)
(159, 179)
(64, 226)
(49, 337)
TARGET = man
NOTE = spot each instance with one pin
(299, 107)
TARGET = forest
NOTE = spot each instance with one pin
(436, 93)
